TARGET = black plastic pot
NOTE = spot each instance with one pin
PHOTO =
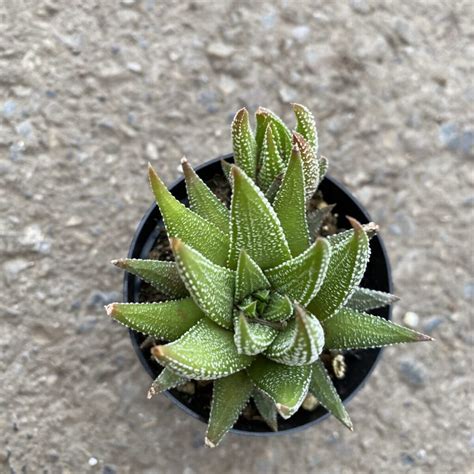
(360, 363)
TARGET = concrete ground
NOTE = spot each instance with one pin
(91, 90)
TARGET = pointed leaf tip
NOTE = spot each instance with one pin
(209, 443)
(110, 309)
(158, 352)
(356, 225)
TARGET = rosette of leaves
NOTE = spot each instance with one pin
(254, 295)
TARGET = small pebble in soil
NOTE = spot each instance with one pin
(339, 366)
(92, 461)
(310, 402)
(411, 319)
(432, 323)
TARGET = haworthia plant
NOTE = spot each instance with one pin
(255, 294)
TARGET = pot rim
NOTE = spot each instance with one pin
(178, 402)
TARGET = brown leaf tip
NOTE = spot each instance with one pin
(241, 114)
(157, 351)
(175, 244)
(356, 225)
(209, 443)
(119, 262)
(423, 337)
(111, 309)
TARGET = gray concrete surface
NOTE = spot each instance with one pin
(91, 90)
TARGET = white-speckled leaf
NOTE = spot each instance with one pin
(279, 308)
(302, 277)
(300, 343)
(364, 299)
(290, 206)
(205, 352)
(229, 397)
(286, 385)
(351, 329)
(346, 269)
(306, 126)
(254, 225)
(281, 133)
(251, 338)
(158, 273)
(267, 409)
(323, 389)
(203, 201)
(310, 164)
(167, 320)
(271, 163)
(166, 380)
(249, 277)
(323, 167)
(243, 143)
(210, 285)
(261, 121)
(188, 226)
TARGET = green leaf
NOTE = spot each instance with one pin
(243, 143)
(205, 352)
(280, 308)
(167, 320)
(251, 338)
(271, 163)
(351, 329)
(286, 385)
(316, 219)
(281, 133)
(323, 389)
(306, 126)
(227, 170)
(300, 343)
(210, 285)
(310, 164)
(266, 408)
(166, 380)
(230, 395)
(261, 121)
(203, 201)
(364, 299)
(254, 225)
(302, 277)
(346, 269)
(290, 206)
(188, 226)
(323, 167)
(160, 274)
(249, 277)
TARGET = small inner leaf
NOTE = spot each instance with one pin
(210, 285)
(229, 397)
(286, 385)
(205, 352)
(251, 338)
(280, 132)
(279, 308)
(302, 277)
(300, 343)
(167, 320)
(351, 329)
(249, 277)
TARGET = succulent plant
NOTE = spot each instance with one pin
(256, 295)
